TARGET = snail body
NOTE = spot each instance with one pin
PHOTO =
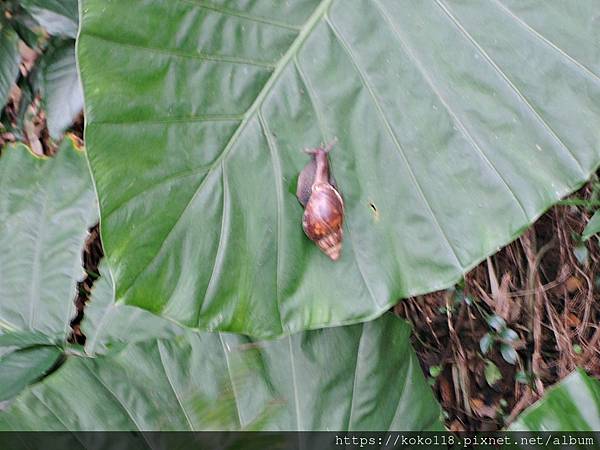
(323, 217)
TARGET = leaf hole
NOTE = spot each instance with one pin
(375, 211)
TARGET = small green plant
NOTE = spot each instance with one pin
(524, 377)
(492, 373)
(592, 204)
(501, 334)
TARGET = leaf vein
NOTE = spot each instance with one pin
(90, 348)
(389, 130)
(352, 395)
(169, 120)
(294, 385)
(114, 396)
(34, 291)
(220, 246)
(277, 175)
(166, 371)
(463, 129)
(233, 388)
(505, 77)
(171, 178)
(56, 416)
(169, 233)
(241, 15)
(548, 42)
(176, 54)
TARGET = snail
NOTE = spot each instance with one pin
(317, 191)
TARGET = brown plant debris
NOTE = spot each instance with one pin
(92, 254)
(545, 286)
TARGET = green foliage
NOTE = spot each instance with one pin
(581, 252)
(154, 375)
(524, 377)
(572, 405)
(593, 227)
(196, 118)
(61, 90)
(492, 373)
(485, 343)
(435, 371)
(337, 379)
(21, 367)
(509, 353)
(449, 145)
(46, 207)
(502, 334)
(49, 27)
(109, 327)
(57, 17)
(9, 61)
(24, 339)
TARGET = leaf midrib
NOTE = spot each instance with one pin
(310, 24)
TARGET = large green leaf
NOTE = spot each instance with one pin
(9, 61)
(62, 96)
(268, 383)
(337, 378)
(58, 17)
(24, 339)
(108, 325)
(572, 405)
(458, 122)
(46, 207)
(21, 367)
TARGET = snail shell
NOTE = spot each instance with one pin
(323, 217)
